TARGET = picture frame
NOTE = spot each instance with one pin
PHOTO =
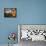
(10, 12)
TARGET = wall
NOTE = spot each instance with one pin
(28, 12)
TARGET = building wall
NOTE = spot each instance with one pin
(28, 12)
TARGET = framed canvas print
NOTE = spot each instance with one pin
(10, 12)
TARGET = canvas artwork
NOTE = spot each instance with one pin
(10, 12)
